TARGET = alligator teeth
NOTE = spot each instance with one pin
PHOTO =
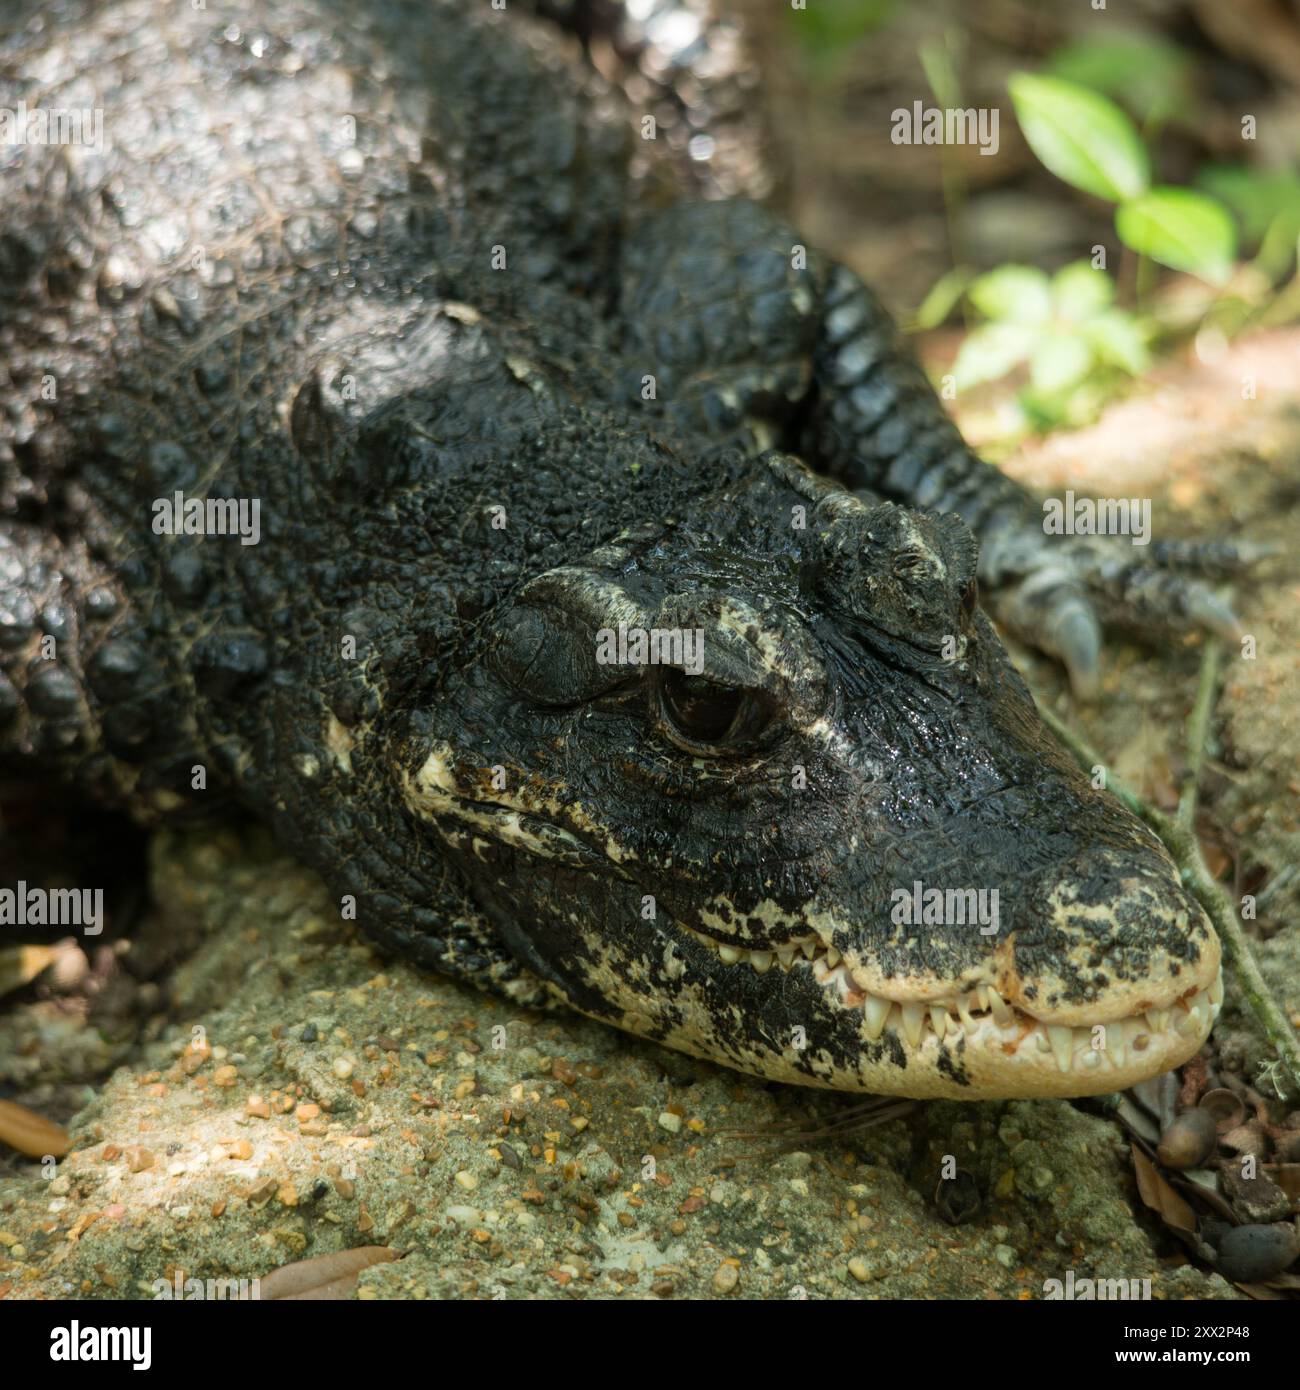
(875, 1011)
(1062, 1040)
(913, 1022)
(1002, 1014)
(965, 1014)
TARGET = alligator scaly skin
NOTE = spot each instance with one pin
(390, 274)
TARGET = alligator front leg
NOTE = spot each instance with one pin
(877, 423)
(755, 335)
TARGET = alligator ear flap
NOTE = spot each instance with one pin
(961, 549)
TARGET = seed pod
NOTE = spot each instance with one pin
(1189, 1140)
(1226, 1108)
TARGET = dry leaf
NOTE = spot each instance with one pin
(324, 1276)
(1157, 1194)
(30, 1133)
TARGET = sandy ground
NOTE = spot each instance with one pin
(309, 1098)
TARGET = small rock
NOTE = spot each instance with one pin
(672, 1123)
(725, 1278)
(1252, 1253)
(1258, 1200)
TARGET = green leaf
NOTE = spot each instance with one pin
(1013, 294)
(1257, 198)
(1150, 75)
(1059, 360)
(1079, 291)
(1182, 229)
(992, 351)
(1117, 339)
(1081, 136)
(941, 300)
(940, 73)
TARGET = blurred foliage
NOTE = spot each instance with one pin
(828, 33)
(1081, 136)
(1146, 73)
(1260, 199)
(1094, 116)
(1086, 140)
(1066, 328)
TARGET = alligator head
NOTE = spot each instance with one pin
(762, 784)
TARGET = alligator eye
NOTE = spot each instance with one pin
(702, 716)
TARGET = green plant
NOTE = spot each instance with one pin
(1148, 74)
(828, 33)
(1066, 328)
(1085, 139)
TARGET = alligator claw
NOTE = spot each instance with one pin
(1078, 644)
(1057, 594)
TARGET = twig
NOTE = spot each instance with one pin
(1181, 842)
(1198, 727)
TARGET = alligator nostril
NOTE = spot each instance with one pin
(1108, 935)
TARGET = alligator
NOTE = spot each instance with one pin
(570, 565)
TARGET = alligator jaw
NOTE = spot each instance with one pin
(1003, 1051)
